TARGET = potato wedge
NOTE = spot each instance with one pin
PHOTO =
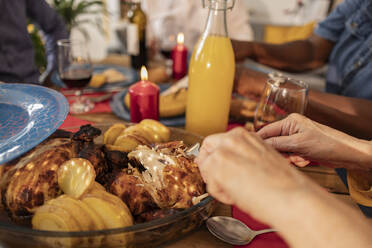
(160, 132)
(101, 193)
(75, 176)
(84, 215)
(79, 211)
(113, 217)
(128, 142)
(138, 130)
(112, 133)
(54, 218)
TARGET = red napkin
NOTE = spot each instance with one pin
(73, 123)
(271, 240)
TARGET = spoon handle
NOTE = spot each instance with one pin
(264, 231)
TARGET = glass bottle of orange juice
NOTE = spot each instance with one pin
(211, 74)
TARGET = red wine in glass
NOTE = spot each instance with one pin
(75, 70)
(76, 78)
(166, 53)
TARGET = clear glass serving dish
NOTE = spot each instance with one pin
(148, 234)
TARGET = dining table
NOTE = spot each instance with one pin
(201, 238)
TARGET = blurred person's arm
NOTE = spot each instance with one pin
(301, 55)
(52, 27)
(296, 56)
(347, 114)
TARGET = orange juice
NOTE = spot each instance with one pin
(211, 78)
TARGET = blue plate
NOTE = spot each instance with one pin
(28, 115)
(118, 107)
(130, 74)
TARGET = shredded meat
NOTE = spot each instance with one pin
(140, 189)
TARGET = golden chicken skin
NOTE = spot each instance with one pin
(161, 177)
(30, 180)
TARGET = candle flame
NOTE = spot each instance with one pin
(144, 74)
(180, 38)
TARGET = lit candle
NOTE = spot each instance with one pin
(179, 57)
(144, 99)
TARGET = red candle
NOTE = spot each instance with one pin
(179, 57)
(144, 99)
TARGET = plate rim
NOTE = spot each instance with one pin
(61, 104)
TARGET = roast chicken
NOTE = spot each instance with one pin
(31, 180)
(162, 177)
(152, 180)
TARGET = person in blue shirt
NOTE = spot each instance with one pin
(344, 42)
(17, 57)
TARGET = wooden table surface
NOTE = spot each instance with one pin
(201, 238)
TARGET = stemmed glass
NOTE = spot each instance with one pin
(167, 36)
(75, 70)
(281, 97)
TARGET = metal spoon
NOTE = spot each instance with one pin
(228, 229)
(232, 231)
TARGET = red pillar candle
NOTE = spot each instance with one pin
(144, 99)
(179, 57)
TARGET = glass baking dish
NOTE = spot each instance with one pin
(148, 234)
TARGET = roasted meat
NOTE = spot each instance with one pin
(30, 180)
(162, 177)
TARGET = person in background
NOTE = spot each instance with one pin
(343, 41)
(168, 17)
(17, 57)
(240, 169)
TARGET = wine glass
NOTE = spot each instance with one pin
(75, 70)
(281, 97)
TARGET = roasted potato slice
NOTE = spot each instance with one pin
(160, 132)
(84, 215)
(98, 191)
(75, 176)
(113, 217)
(54, 218)
(128, 142)
(113, 133)
(138, 130)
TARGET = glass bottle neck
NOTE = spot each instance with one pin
(136, 5)
(216, 22)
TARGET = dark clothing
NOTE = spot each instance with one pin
(17, 59)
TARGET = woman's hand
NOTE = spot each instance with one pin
(240, 169)
(306, 141)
